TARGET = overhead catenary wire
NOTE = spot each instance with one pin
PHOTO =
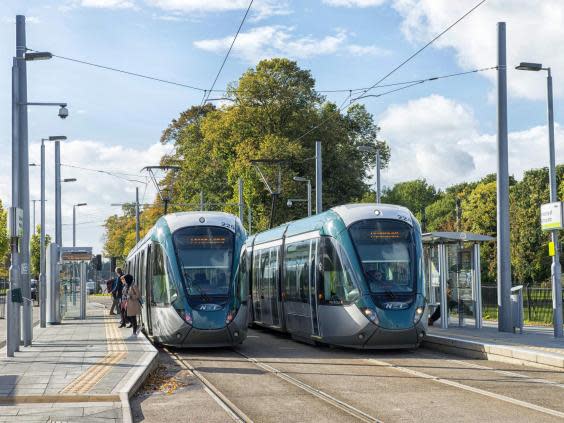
(106, 172)
(396, 68)
(206, 96)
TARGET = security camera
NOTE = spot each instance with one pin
(63, 112)
(290, 203)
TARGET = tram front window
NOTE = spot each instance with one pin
(205, 255)
(385, 249)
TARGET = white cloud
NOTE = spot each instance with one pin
(108, 4)
(97, 189)
(439, 139)
(354, 3)
(534, 30)
(277, 40)
(260, 8)
(359, 50)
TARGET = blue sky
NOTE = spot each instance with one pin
(443, 131)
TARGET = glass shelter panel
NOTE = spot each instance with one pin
(460, 285)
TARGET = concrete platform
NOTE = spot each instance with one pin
(81, 370)
(536, 346)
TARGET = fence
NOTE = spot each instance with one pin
(537, 304)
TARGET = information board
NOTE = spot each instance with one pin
(551, 216)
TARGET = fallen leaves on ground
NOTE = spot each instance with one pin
(160, 381)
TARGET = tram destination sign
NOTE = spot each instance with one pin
(551, 216)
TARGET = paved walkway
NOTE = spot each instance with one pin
(3, 324)
(81, 370)
(535, 345)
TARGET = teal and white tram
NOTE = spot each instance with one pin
(187, 270)
(351, 276)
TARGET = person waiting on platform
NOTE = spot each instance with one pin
(116, 291)
(450, 301)
(133, 305)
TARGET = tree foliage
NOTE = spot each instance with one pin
(35, 247)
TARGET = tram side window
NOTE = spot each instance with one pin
(337, 283)
(243, 277)
(160, 283)
(297, 267)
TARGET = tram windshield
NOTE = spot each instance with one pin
(205, 254)
(385, 249)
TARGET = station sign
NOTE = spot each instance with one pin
(77, 253)
(551, 216)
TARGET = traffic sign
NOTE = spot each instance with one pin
(551, 216)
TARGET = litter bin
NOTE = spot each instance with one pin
(517, 312)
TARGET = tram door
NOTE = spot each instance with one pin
(146, 288)
(299, 287)
(265, 285)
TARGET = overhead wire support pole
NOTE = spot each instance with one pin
(12, 308)
(241, 201)
(318, 179)
(42, 262)
(503, 241)
(137, 238)
(556, 270)
(27, 321)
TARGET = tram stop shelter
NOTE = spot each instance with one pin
(453, 272)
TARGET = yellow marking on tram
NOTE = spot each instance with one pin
(117, 351)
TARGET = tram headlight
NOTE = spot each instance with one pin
(370, 314)
(418, 314)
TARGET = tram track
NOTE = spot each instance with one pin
(347, 408)
(458, 385)
(231, 409)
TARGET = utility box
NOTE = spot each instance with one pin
(517, 312)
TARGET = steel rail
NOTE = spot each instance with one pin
(232, 410)
(347, 408)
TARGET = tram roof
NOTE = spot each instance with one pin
(200, 218)
(453, 237)
(325, 222)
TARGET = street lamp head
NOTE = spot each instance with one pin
(38, 55)
(69, 180)
(57, 138)
(81, 204)
(529, 66)
(32, 165)
(63, 111)
(300, 179)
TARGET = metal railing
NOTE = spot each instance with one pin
(537, 304)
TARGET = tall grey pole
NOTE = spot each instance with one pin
(58, 227)
(318, 179)
(250, 219)
(27, 323)
(12, 309)
(555, 269)
(241, 201)
(74, 226)
(308, 197)
(33, 218)
(42, 267)
(378, 186)
(503, 246)
(136, 215)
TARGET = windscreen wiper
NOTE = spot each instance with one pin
(388, 291)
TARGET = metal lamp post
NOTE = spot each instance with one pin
(372, 149)
(555, 268)
(42, 252)
(302, 179)
(74, 221)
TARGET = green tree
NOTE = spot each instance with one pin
(275, 114)
(416, 195)
(35, 248)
